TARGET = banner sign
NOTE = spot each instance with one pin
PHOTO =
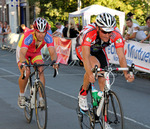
(63, 47)
(135, 52)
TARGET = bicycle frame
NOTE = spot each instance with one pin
(107, 84)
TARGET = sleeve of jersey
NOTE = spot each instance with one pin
(26, 40)
(49, 40)
(87, 40)
(119, 42)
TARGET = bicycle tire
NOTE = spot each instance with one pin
(114, 112)
(27, 110)
(85, 118)
(41, 112)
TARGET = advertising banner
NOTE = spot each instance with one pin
(63, 47)
(135, 52)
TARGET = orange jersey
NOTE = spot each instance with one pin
(28, 40)
(88, 36)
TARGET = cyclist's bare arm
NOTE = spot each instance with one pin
(123, 63)
(53, 55)
(87, 63)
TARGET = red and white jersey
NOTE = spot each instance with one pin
(88, 36)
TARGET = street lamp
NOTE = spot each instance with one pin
(18, 15)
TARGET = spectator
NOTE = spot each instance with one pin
(64, 34)
(31, 27)
(145, 38)
(7, 30)
(72, 29)
(50, 30)
(129, 15)
(132, 32)
(24, 28)
(1, 26)
(58, 32)
(145, 28)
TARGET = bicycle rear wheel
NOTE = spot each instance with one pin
(41, 112)
(27, 110)
(114, 111)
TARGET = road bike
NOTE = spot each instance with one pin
(33, 92)
(109, 110)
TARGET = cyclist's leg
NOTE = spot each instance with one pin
(23, 82)
(83, 91)
(101, 56)
(22, 85)
(93, 61)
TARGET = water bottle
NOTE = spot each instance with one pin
(101, 102)
(99, 95)
(94, 95)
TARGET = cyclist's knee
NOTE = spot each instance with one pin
(94, 61)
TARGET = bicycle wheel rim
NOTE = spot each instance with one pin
(114, 112)
(41, 112)
(86, 120)
(27, 110)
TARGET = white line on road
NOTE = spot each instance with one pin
(9, 71)
(127, 118)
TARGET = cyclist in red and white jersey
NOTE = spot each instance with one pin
(29, 48)
(90, 49)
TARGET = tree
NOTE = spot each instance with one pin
(58, 10)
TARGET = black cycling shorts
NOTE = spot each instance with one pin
(100, 55)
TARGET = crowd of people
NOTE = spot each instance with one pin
(135, 31)
(4, 31)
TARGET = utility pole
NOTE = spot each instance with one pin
(79, 5)
(3, 10)
(19, 16)
(78, 8)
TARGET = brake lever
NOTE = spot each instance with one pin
(55, 72)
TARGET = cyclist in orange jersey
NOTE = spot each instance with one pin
(90, 49)
(29, 48)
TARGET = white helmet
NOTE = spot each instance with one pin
(40, 25)
(106, 21)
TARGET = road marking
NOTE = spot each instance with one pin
(127, 118)
(61, 92)
(9, 71)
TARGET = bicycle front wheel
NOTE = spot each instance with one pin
(114, 111)
(27, 110)
(41, 109)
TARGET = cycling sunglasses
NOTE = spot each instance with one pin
(104, 32)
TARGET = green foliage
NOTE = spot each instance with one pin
(58, 10)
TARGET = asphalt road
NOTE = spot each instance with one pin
(62, 93)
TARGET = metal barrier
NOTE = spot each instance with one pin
(9, 41)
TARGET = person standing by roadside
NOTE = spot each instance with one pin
(59, 30)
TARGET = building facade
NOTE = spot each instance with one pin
(16, 15)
